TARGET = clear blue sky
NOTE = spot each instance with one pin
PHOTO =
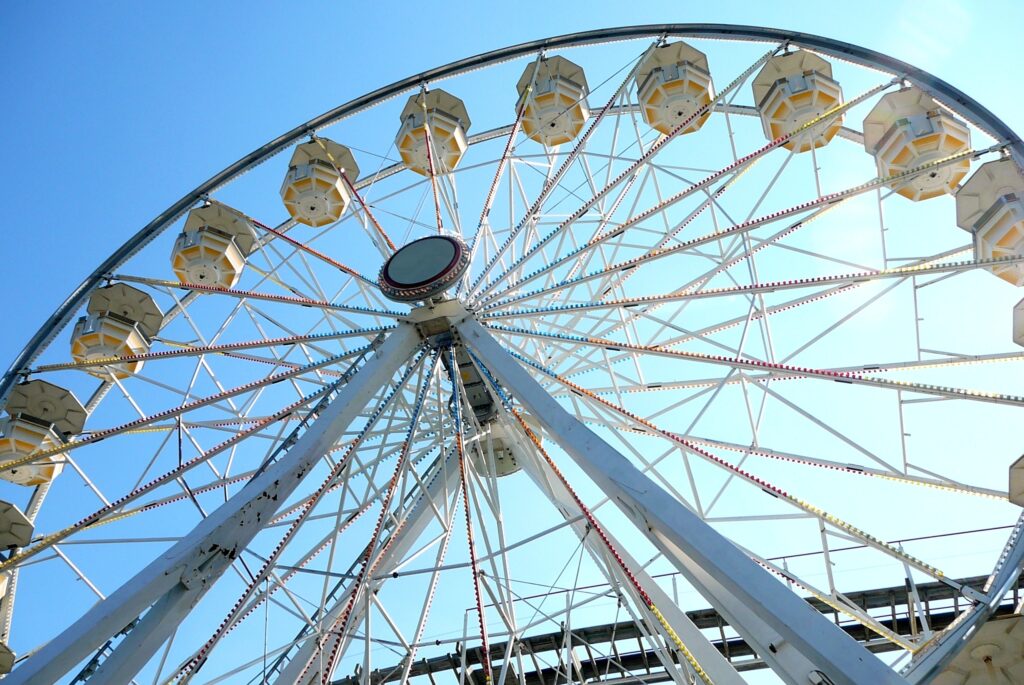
(115, 110)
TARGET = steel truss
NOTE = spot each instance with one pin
(896, 606)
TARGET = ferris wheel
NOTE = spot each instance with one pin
(661, 353)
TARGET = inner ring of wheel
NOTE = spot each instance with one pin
(424, 268)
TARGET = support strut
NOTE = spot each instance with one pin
(167, 589)
(801, 645)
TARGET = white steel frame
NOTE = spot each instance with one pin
(509, 300)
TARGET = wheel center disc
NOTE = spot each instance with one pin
(424, 268)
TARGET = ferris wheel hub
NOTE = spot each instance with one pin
(424, 268)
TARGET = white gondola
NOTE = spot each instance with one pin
(992, 656)
(990, 205)
(553, 95)
(120, 322)
(793, 89)
(672, 84)
(7, 658)
(1018, 324)
(40, 416)
(15, 528)
(907, 129)
(313, 191)
(441, 117)
(212, 248)
(496, 449)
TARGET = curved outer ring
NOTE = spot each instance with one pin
(942, 91)
(435, 285)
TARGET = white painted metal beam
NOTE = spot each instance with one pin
(172, 584)
(707, 655)
(802, 645)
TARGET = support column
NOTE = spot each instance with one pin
(166, 590)
(800, 644)
(711, 660)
